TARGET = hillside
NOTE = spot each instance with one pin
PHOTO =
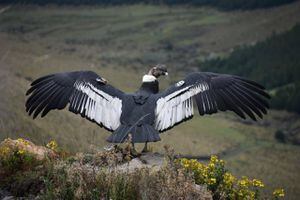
(120, 43)
(274, 62)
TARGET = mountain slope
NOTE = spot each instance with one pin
(274, 62)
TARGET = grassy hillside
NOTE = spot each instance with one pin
(120, 43)
(274, 62)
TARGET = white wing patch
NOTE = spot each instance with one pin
(97, 105)
(177, 106)
(179, 83)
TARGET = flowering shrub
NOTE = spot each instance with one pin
(96, 176)
(278, 193)
(15, 158)
(52, 145)
(223, 184)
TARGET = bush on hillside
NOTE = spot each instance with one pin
(83, 177)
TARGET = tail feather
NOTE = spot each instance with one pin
(140, 134)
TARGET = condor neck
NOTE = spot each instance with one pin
(150, 84)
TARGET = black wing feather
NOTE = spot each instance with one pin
(40, 97)
(55, 91)
(254, 95)
(249, 82)
(219, 92)
(230, 104)
(37, 81)
(239, 103)
(247, 102)
(255, 101)
(39, 91)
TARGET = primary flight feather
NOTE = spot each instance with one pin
(147, 112)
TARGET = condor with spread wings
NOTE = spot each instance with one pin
(147, 112)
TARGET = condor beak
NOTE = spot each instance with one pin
(166, 73)
(101, 80)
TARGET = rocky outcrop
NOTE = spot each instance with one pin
(79, 172)
(147, 160)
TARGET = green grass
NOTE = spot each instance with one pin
(202, 136)
(120, 43)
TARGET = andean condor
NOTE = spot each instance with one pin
(147, 112)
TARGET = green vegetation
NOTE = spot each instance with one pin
(274, 62)
(14, 159)
(287, 97)
(84, 177)
(222, 183)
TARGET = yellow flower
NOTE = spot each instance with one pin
(257, 183)
(4, 151)
(21, 140)
(52, 145)
(244, 182)
(251, 195)
(228, 179)
(213, 159)
(278, 192)
(208, 174)
(222, 162)
(21, 152)
(211, 165)
(212, 181)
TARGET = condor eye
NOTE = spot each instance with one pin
(180, 83)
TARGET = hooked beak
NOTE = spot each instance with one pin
(166, 73)
(101, 80)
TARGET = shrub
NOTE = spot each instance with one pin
(14, 158)
(78, 181)
(100, 176)
(222, 183)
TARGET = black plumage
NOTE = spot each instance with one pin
(147, 112)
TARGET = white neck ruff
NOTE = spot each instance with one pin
(148, 78)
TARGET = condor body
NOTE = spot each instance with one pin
(147, 112)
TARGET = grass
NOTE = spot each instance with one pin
(276, 163)
(120, 43)
(202, 136)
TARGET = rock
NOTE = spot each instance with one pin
(9, 198)
(39, 152)
(152, 159)
(4, 194)
(288, 136)
(146, 160)
(206, 195)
